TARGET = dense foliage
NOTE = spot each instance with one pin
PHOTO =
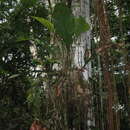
(38, 81)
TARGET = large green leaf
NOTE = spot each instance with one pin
(81, 26)
(66, 25)
(45, 23)
(64, 22)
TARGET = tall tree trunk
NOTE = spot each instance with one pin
(83, 45)
(82, 52)
(105, 40)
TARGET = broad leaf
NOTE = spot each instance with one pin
(64, 22)
(45, 23)
(66, 25)
(81, 26)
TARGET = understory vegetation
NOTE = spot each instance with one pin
(40, 83)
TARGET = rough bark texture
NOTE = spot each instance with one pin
(105, 40)
(82, 47)
(82, 8)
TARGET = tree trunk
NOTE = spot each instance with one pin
(82, 52)
(105, 40)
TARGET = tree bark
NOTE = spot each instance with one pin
(83, 47)
(105, 39)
